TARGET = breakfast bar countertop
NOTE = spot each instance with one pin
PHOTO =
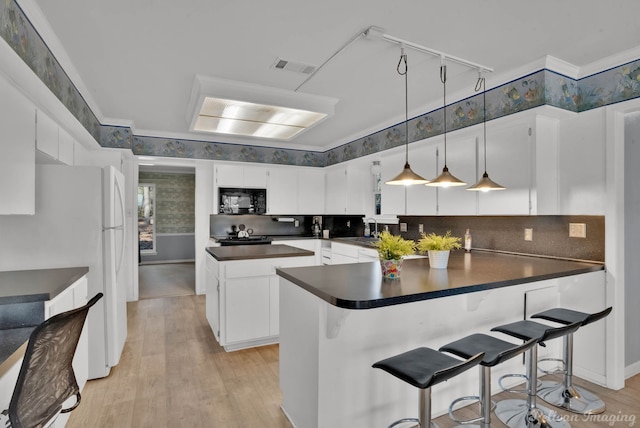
(361, 286)
(251, 252)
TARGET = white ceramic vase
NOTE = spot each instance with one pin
(438, 259)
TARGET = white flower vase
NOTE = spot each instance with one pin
(438, 259)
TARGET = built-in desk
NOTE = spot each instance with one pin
(336, 321)
(27, 298)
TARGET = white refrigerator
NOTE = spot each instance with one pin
(79, 221)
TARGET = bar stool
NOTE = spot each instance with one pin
(526, 413)
(495, 352)
(423, 368)
(565, 394)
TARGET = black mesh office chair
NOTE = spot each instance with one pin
(46, 378)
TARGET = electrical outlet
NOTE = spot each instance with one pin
(420, 228)
(577, 230)
(528, 234)
(403, 227)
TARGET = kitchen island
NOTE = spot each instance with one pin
(336, 321)
(242, 303)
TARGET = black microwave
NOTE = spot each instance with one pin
(233, 200)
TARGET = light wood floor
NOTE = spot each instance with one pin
(173, 374)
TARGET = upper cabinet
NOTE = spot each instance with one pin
(349, 190)
(510, 164)
(240, 175)
(17, 145)
(53, 143)
(311, 190)
(295, 190)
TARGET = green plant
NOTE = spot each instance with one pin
(433, 242)
(393, 247)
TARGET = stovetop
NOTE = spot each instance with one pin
(251, 240)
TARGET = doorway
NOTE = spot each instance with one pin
(166, 225)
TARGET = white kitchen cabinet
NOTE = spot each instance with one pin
(282, 191)
(344, 253)
(461, 161)
(53, 142)
(46, 135)
(393, 197)
(242, 304)
(348, 188)
(247, 308)
(422, 200)
(311, 191)
(240, 175)
(66, 147)
(314, 245)
(17, 145)
(509, 164)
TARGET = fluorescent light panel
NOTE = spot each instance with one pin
(226, 116)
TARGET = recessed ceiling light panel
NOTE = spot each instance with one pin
(237, 108)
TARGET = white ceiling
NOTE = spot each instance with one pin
(137, 59)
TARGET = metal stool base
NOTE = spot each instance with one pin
(516, 414)
(575, 399)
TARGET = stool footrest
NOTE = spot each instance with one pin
(467, 398)
(559, 370)
(404, 421)
(517, 391)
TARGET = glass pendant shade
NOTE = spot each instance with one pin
(486, 184)
(446, 179)
(407, 178)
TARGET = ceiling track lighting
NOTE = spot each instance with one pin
(485, 184)
(407, 177)
(445, 179)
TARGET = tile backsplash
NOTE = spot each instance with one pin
(506, 233)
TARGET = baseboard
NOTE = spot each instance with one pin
(162, 262)
(632, 370)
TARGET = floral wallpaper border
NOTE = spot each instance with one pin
(543, 87)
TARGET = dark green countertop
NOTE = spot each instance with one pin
(252, 252)
(361, 286)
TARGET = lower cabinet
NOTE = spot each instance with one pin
(242, 299)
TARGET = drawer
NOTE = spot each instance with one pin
(345, 249)
(247, 268)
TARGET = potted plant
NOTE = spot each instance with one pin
(391, 250)
(438, 248)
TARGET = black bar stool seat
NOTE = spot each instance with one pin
(565, 394)
(495, 352)
(526, 413)
(423, 368)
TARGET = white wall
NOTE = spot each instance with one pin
(632, 238)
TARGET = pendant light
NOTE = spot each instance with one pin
(407, 177)
(446, 179)
(485, 184)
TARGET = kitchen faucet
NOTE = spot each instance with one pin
(374, 233)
